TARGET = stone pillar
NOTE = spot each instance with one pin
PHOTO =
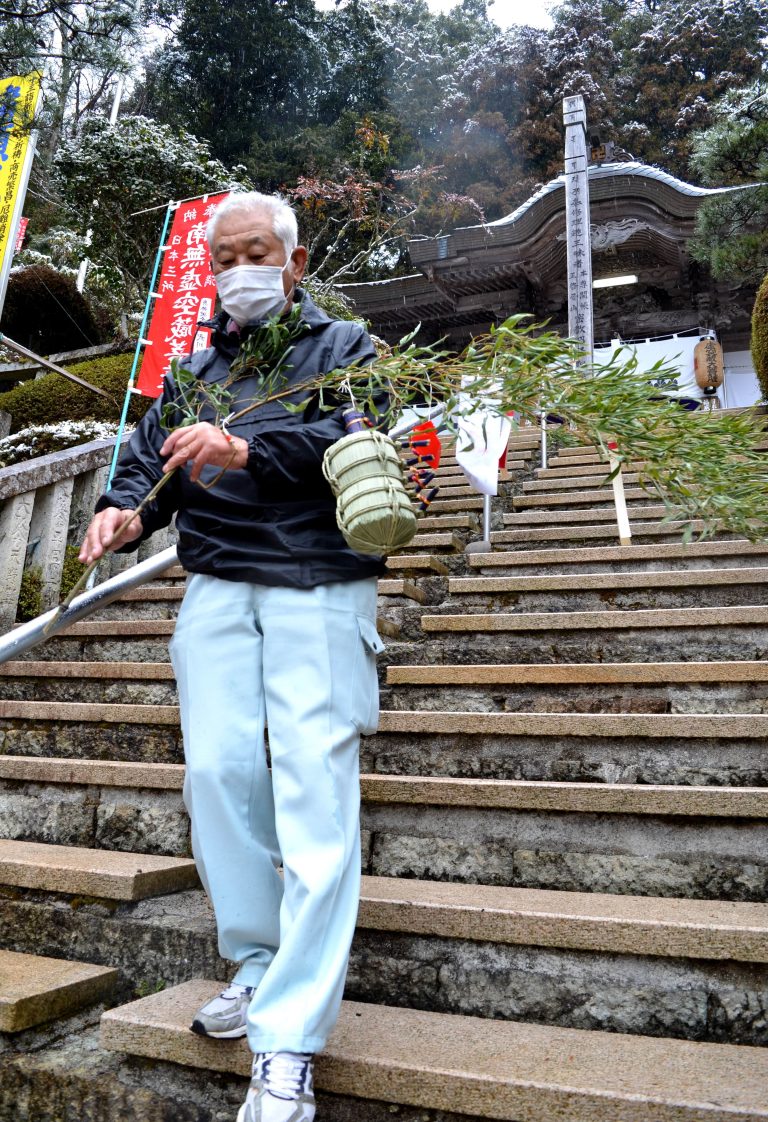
(577, 224)
(15, 519)
(88, 488)
(48, 536)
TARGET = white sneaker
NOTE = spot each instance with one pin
(280, 1090)
(224, 1017)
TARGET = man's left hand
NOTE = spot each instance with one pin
(203, 444)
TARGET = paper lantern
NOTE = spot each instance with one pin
(708, 365)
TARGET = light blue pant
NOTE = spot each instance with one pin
(303, 661)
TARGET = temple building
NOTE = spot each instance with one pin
(648, 291)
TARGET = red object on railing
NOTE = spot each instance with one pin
(425, 444)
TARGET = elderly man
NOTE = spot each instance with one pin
(277, 628)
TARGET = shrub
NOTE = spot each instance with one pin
(760, 336)
(44, 311)
(51, 399)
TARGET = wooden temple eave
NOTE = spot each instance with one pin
(640, 223)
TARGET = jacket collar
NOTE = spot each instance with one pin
(226, 339)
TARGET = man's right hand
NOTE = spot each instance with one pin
(103, 527)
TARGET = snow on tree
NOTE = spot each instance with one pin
(109, 177)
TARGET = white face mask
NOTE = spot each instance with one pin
(249, 292)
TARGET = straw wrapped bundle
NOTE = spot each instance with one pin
(373, 508)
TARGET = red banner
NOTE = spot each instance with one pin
(186, 294)
(23, 223)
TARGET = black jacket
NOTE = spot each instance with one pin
(273, 522)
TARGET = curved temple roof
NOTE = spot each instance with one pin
(609, 171)
(641, 220)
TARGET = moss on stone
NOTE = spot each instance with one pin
(30, 602)
(72, 570)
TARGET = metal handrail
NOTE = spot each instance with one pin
(31, 634)
(403, 427)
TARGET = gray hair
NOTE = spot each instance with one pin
(284, 224)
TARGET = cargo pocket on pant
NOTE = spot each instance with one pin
(366, 683)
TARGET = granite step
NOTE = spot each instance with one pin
(654, 926)
(577, 674)
(656, 687)
(579, 498)
(567, 517)
(576, 449)
(447, 540)
(173, 594)
(736, 551)
(403, 588)
(568, 534)
(679, 749)
(448, 477)
(598, 469)
(36, 989)
(660, 589)
(506, 915)
(564, 958)
(73, 677)
(728, 726)
(697, 726)
(562, 582)
(455, 506)
(567, 456)
(747, 616)
(85, 872)
(140, 683)
(129, 638)
(477, 1067)
(428, 523)
(99, 671)
(719, 634)
(555, 485)
(417, 562)
(624, 838)
(590, 798)
(454, 490)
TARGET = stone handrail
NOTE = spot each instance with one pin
(46, 505)
(15, 372)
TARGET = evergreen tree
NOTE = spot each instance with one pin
(732, 228)
(232, 72)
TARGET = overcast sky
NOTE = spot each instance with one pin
(504, 12)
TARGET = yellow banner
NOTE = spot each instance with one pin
(18, 99)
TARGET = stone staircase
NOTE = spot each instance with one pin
(564, 839)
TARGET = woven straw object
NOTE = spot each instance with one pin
(373, 509)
